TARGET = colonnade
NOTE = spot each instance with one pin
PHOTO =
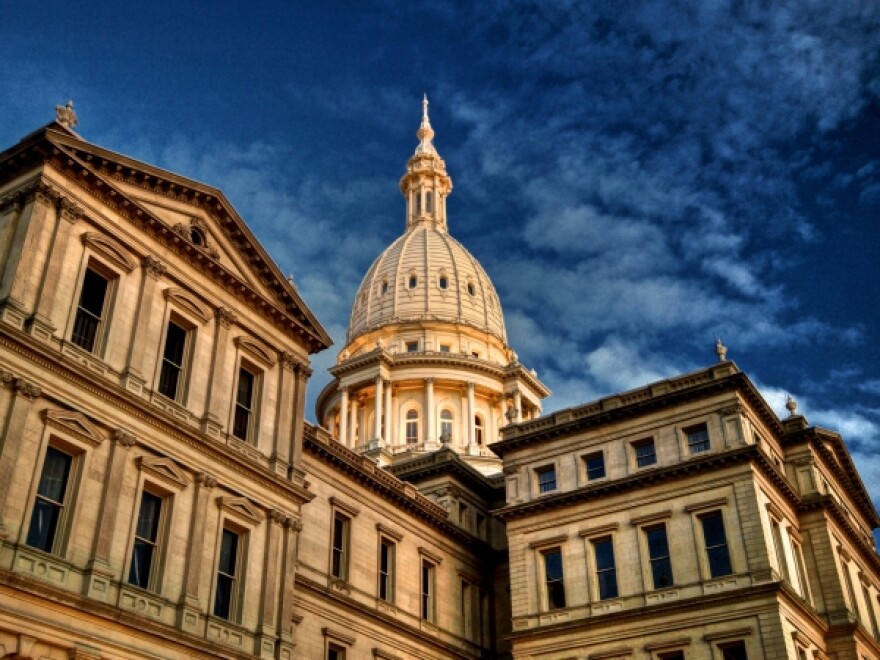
(354, 411)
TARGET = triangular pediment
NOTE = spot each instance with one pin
(74, 423)
(241, 506)
(165, 205)
(165, 470)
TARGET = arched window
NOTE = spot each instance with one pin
(413, 281)
(412, 426)
(446, 426)
(478, 429)
(429, 202)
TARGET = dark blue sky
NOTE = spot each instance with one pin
(637, 178)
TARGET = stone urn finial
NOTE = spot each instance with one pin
(791, 405)
(720, 350)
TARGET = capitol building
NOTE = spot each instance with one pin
(163, 496)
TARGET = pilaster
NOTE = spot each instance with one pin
(40, 324)
(133, 377)
(343, 416)
(100, 574)
(302, 374)
(191, 609)
(284, 417)
(273, 579)
(31, 212)
(216, 402)
(286, 641)
(24, 394)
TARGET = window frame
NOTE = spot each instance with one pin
(549, 583)
(62, 524)
(185, 368)
(706, 561)
(157, 560)
(427, 590)
(446, 425)
(391, 539)
(253, 421)
(479, 430)
(704, 443)
(637, 458)
(653, 561)
(340, 548)
(113, 278)
(598, 573)
(415, 421)
(551, 485)
(585, 459)
(236, 595)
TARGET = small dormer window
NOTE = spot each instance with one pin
(384, 287)
(471, 289)
(413, 281)
(444, 282)
(197, 237)
(412, 347)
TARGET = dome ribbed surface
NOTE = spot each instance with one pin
(425, 256)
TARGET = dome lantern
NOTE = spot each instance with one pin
(426, 185)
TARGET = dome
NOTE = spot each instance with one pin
(426, 275)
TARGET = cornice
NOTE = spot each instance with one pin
(447, 461)
(121, 400)
(73, 158)
(388, 621)
(320, 444)
(723, 377)
(826, 503)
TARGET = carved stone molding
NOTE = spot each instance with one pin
(26, 389)
(123, 438)
(153, 267)
(735, 409)
(288, 360)
(69, 211)
(295, 524)
(277, 517)
(205, 480)
(225, 316)
(39, 191)
(6, 377)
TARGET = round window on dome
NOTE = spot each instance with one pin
(413, 281)
(444, 282)
(196, 236)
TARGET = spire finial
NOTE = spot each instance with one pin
(425, 132)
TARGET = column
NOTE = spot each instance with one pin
(24, 394)
(133, 377)
(377, 415)
(41, 322)
(493, 422)
(31, 210)
(288, 571)
(355, 427)
(429, 410)
(100, 574)
(471, 411)
(191, 608)
(389, 425)
(517, 404)
(219, 387)
(273, 578)
(343, 416)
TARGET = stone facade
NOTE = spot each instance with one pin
(161, 495)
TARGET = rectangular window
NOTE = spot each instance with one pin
(49, 504)
(554, 579)
(428, 596)
(645, 454)
(335, 652)
(658, 554)
(91, 311)
(734, 651)
(717, 554)
(606, 572)
(146, 540)
(780, 550)
(445, 348)
(546, 478)
(386, 570)
(467, 614)
(595, 464)
(697, 438)
(801, 570)
(412, 346)
(227, 574)
(672, 655)
(172, 375)
(245, 405)
(463, 515)
(339, 563)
